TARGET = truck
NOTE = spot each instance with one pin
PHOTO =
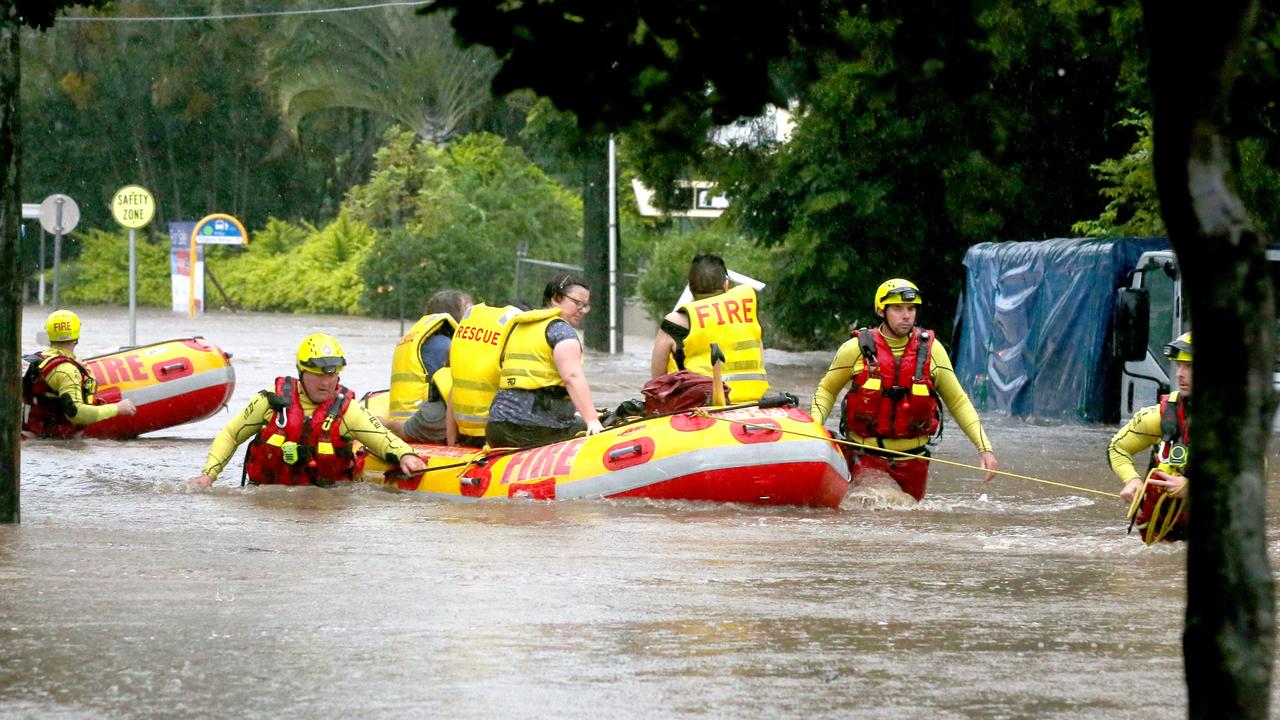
(1149, 311)
(1070, 329)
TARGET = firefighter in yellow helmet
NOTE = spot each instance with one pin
(302, 430)
(899, 372)
(57, 390)
(1163, 428)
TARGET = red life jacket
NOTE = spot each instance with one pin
(323, 456)
(1173, 433)
(893, 397)
(43, 412)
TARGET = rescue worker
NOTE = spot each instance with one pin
(473, 361)
(540, 373)
(420, 375)
(717, 314)
(303, 436)
(899, 372)
(57, 390)
(1162, 426)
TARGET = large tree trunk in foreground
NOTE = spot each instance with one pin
(1230, 625)
(10, 268)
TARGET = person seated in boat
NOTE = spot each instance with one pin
(541, 381)
(1163, 427)
(898, 371)
(717, 314)
(419, 388)
(474, 371)
(57, 390)
(302, 430)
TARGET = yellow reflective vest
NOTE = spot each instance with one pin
(473, 361)
(527, 361)
(731, 320)
(410, 382)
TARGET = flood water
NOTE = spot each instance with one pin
(125, 595)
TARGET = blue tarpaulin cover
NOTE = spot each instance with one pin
(1034, 327)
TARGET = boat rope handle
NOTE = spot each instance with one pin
(703, 413)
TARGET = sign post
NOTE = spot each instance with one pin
(133, 206)
(59, 214)
(215, 229)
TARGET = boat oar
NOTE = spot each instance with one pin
(717, 388)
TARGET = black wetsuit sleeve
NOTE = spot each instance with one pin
(677, 332)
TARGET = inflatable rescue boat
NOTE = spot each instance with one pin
(172, 382)
(738, 454)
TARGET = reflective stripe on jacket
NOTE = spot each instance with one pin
(411, 384)
(527, 362)
(473, 362)
(298, 449)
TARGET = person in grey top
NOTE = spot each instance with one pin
(560, 405)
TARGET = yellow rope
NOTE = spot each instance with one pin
(704, 413)
(1164, 518)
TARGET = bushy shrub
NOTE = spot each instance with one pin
(312, 271)
(665, 276)
(101, 273)
(454, 217)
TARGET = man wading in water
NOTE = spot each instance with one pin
(898, 371)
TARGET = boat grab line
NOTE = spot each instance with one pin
(704, 413)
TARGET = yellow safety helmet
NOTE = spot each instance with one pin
(1179, 350)
(321, 354)
(904, 290)
(62, 326)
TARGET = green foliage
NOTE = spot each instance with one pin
(1259, 180)
(951, 126)
(667, 272)
(101, 273)
(318, 273)
(1133, 208)
(455, 216)
(668, 64)
(395, 64)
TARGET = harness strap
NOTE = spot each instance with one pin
(1170, 427)
(867, 343)
(922, 354)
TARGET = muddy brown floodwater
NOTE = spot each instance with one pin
(125, 595)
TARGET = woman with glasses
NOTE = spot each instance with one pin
(543, 395)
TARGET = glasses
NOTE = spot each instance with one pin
(581, 304)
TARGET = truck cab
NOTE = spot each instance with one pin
(1150, 312)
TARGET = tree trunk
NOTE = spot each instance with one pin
(10, 267)
(1229, 639)
(595, 238)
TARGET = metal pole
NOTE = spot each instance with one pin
(57, 266)
(613, 248)
(42, 265)
(400, 298)
(57, 251)
(521, 251)
(133, 287)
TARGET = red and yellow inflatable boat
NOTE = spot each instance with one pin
(171, 382)
(738, 454)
